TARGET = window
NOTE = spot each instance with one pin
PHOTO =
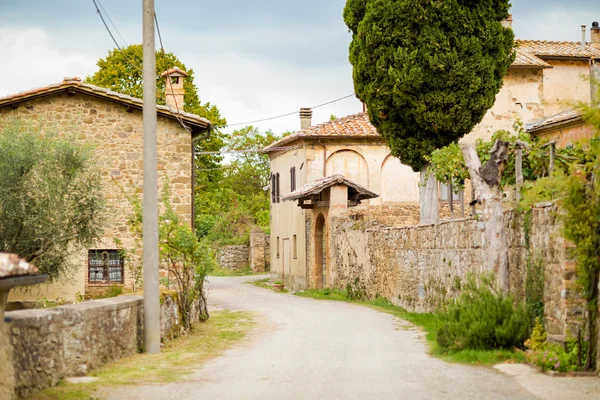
(295, 246)
(272, 188)
(277, 193)
(293, 179)
(105, 266)
(277, 246)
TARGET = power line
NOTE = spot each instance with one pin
(112, 23)
(113, 38)
(289, 114)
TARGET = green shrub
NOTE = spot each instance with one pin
(561, 358)
(483, 318)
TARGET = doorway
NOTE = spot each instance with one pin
(320, 262)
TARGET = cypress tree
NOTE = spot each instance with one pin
(428, 70)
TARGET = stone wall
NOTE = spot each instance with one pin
(234, 257)
(420, 266)
(47, 345)
(260, 252)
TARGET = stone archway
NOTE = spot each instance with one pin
(320, 256)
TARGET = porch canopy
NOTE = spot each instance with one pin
(312, 191)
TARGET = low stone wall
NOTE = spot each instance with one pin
(418, 267)
(260, 252)
(47, 345)
(234, 257)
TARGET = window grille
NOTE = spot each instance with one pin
(105, 266)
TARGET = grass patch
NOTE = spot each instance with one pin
(178, 358)
(429, 323)
(219, 271)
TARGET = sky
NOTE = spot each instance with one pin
(252, 59)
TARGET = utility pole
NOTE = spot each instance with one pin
(150, 216)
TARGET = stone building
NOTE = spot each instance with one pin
(545, 79)
(112, 123)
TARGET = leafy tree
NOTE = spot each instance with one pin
(428, 71)
(226, 213)
(121, 71)
(51, 199)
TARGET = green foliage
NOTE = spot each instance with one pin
(448, 165)
(117, 72)
(534, 287)
(537, 341)
(569, 357)
(182, 255)
(483, 318)
(51, 199)
(228, 210)
(428, 71)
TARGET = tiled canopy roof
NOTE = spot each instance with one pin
(530, 53)
(559, 119)
(12, 265)
(352, 126)
(317, 186)
(76, 85)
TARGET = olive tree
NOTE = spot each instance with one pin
(50, 197)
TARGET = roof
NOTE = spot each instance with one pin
(173, 71)
(11, 265)
(317, 186)
(75, 84)
(559, 119)
(531, 53)
(352, 126)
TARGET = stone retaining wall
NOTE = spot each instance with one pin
(44, 346)
(234, 257)
(418, 267)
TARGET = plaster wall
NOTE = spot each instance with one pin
(569, 134)
(288, 220)
(521, 96)
(116, 137)
(564, 85)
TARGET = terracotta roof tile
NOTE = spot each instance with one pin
(357, 125)
(77, 84)
(321, 184)
(174, 70)
(12, 265)
(531, 52)
(554, 120)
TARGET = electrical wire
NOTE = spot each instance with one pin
(112, 23)
(289, 114)
(113, 37)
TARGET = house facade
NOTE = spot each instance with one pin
(546, 78)
(112, 123)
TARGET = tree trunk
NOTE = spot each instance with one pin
(428, 198)
(486, 182)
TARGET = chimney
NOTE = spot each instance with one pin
(595, 33)
(507, 23)
(174, 88)
(583, 42)
(305, 118)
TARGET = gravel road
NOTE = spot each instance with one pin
(310, 349)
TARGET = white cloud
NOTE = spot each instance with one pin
(33, 60)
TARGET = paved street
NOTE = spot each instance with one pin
(309, 349)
